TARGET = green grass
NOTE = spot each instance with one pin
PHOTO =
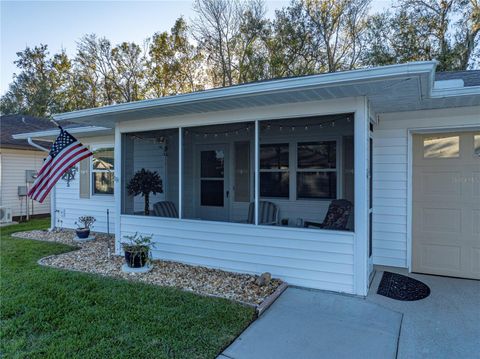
(50, 313)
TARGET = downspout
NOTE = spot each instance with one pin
(54, 190)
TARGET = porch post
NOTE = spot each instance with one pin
(180, 171)
(117, 153)
(257, 169)
(361, 133)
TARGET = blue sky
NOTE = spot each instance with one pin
(59, 24)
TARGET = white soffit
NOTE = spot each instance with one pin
(402, 87)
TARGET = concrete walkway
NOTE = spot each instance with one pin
(304, 324)
(316, 325)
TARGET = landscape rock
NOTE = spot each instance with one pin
(92, 257)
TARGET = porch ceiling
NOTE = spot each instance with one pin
(389, 89)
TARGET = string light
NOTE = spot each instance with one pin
(267, 126)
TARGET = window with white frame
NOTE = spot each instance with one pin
(103, 170)
(317, 170)
(274, 170)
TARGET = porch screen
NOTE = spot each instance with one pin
(150, 173)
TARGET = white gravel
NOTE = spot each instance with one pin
(92, 257)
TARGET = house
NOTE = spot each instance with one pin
(246, 168)
(17, 157)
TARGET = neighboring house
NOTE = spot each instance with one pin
(401, 143)
(17, 157)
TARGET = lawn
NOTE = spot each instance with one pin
(52, 313)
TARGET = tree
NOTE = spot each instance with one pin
(339, 25)
(38, 89)
(143, 183)
(445, 30)
(231, 34)
(174, 65)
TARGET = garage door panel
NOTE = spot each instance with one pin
(446, 206)
(475, 260)
(441, 257)
(476, 223)
(441, 220)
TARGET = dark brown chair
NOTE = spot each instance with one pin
(337, 216)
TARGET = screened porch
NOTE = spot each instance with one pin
(304, 165)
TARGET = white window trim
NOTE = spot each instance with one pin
(293, 166)
(93, 148)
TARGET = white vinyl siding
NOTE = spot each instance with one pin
(310, 258)
(13, 166)
(390, 175)
(69, 205)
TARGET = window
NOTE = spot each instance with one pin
(103, 171)
(441, 147)
(212, 178)
(316, 169)
(274, 170)
(476, 140)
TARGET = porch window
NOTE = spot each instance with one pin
(317, 169)
(274, 170)
(102, 170)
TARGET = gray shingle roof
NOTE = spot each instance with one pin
(470, 78)
(14, 124)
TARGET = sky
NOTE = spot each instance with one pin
(60, 24)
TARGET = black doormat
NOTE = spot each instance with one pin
(400, 287)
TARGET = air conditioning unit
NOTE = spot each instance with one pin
(5, 215)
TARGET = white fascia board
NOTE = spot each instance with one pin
(455, 91)
(322, 80)
(55, 132)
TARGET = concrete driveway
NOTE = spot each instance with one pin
(315, 324)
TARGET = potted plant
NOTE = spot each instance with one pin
(137, 250)
(84, 223)
(143, 183)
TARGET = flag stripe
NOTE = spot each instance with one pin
(49, 167)
(65, 169)
(57, 166)
(65, 152)
(69, 162)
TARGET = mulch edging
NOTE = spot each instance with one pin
(91, 257)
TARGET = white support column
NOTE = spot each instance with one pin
(118, 188)
(180, 171)
(257, 169)
(361, 123)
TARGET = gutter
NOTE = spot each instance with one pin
(352, 76)
(55, 132)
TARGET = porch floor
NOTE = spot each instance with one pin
(446, 324)
(315, 324)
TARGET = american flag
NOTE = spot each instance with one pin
(64, 154)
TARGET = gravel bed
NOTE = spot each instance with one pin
(92, 257)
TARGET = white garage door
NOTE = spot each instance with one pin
(446, 204)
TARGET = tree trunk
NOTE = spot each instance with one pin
(147, 204)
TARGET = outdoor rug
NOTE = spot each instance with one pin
(400, 287)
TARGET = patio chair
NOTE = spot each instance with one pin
(337, 216)
(165, 209)
(268, 213)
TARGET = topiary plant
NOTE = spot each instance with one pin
(143, 183)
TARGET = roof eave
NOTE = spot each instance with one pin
(368, 74)
(54, 132)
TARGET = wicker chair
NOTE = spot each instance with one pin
(165, 209)
(268, 213)
(337, 216)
